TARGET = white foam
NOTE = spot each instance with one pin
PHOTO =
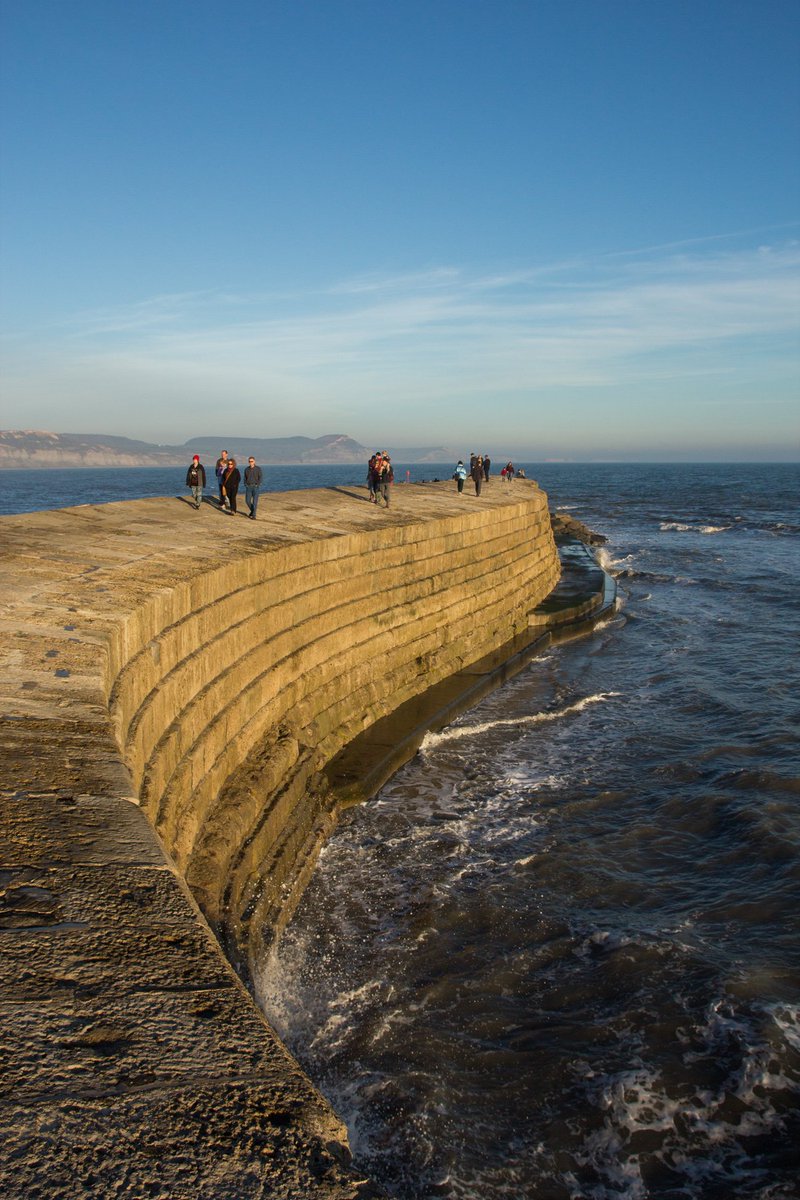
(680, 527)
(787, 1018)
(610, 564)
(456, 732)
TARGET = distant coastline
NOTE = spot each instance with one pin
(42, 450)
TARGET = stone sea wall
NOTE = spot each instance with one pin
(232, 691)
(190, 675)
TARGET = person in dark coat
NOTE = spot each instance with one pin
(487, 462)
(252, 485)
(219, 471)
(196, 480)
(385, 480)
(477, 474)
(230, 486)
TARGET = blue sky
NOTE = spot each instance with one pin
(552, 228)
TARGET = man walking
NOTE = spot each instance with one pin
(252, 485)
(196, 480)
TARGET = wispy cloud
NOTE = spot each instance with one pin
(448, 336)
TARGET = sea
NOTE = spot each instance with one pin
(557, 957)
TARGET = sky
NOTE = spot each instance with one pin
(555, 229)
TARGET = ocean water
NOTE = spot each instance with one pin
(30, 491)
(558, 955)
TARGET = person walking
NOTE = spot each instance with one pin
(253, 476)
(487, 462)
(386, 479)
(230, 486)
(219, 471)
(196, 480)
(477, 474)
(460, 474)
(373, 476)
(510, 471)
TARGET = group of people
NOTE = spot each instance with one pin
(228, 480)
(380, 477)
(479, 467)
(478, 472)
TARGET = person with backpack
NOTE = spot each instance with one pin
(196, 480)
(460, 474)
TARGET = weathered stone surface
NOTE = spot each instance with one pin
(207, 668)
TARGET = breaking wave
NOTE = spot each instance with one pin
(458, 732)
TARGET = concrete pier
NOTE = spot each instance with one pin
(175, 685)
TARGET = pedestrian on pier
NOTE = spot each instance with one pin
(386, 479)
(477, 474)
(253, 476)
(219, 471)
(373, 475)
(196, 480)
(460, 474)
(230, 487)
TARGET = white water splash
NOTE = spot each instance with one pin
(455, 732)
(679, 527)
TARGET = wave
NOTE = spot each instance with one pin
(681, 527)
(455, 732)
(609, 564)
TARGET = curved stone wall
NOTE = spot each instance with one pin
(203, 671)
(232, 690)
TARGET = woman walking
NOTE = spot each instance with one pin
(230, 486)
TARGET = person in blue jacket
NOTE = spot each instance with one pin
(460, 474)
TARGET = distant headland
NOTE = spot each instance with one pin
(39, 449)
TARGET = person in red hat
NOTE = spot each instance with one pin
(196, 480)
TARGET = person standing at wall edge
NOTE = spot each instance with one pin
(252, 485)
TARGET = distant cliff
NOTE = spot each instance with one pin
(38, 449)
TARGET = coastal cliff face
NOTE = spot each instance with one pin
(173, 685)
(32, 449)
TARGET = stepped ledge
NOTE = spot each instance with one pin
(187, 700)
